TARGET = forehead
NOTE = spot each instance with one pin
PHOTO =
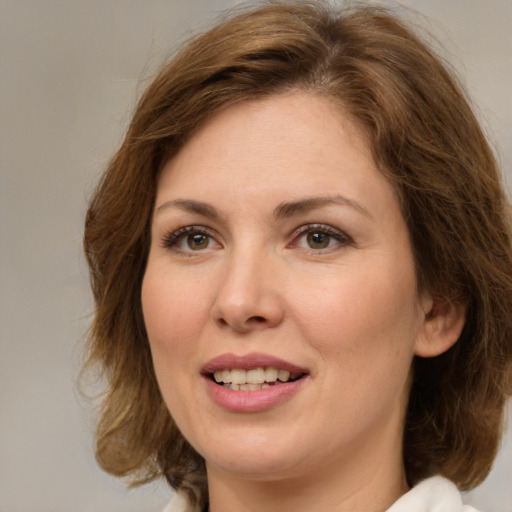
(295, 138)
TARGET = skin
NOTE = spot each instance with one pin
(349, 312)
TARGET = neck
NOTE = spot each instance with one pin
(371, 481)
(292, 496)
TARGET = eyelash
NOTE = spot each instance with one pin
(340, 237)
(171, 240)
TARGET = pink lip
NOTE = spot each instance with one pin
(249, 361)
(251, 401)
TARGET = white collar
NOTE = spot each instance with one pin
(435, 494)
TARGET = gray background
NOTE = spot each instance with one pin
(70, 72)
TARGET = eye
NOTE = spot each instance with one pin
(318, 240)
(196, 242)
(320, 237)
(190, 239)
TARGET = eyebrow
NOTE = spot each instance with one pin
(284, 210)
(289, 209)
(189, 205)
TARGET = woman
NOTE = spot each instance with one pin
(301, 260)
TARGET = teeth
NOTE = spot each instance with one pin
(250, 387)
(253, 380)
(238, 376)
(271, 374)
(256, 376)
(246, 387)
(283, 375)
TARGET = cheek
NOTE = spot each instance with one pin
(174, 315)
(372, 314)
(364, 331)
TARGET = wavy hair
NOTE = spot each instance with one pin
(427, 142)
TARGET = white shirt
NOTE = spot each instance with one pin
(435, 494)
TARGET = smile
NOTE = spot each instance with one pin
(253, 382)
(254, 379)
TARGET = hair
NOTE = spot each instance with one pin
(427, 142)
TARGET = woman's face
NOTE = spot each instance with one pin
(279, 252)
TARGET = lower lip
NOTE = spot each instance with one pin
(252, 401)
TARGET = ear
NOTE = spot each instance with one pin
(442, 326)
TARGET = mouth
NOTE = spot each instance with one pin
(254, 379)
(252, 383)
(251, 372)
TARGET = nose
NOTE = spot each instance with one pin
(249, 297)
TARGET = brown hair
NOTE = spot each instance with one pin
(425, 139)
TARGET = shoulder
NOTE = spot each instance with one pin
(435, 494)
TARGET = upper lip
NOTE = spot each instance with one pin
(248, 362)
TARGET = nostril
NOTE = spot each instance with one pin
(258, 319)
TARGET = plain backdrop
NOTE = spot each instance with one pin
(70, 72)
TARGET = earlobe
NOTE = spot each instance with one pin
(442, 326)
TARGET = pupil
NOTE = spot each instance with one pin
(318, 240)
(197, 241)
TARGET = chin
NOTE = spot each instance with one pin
(254, 456)
(255, 468)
